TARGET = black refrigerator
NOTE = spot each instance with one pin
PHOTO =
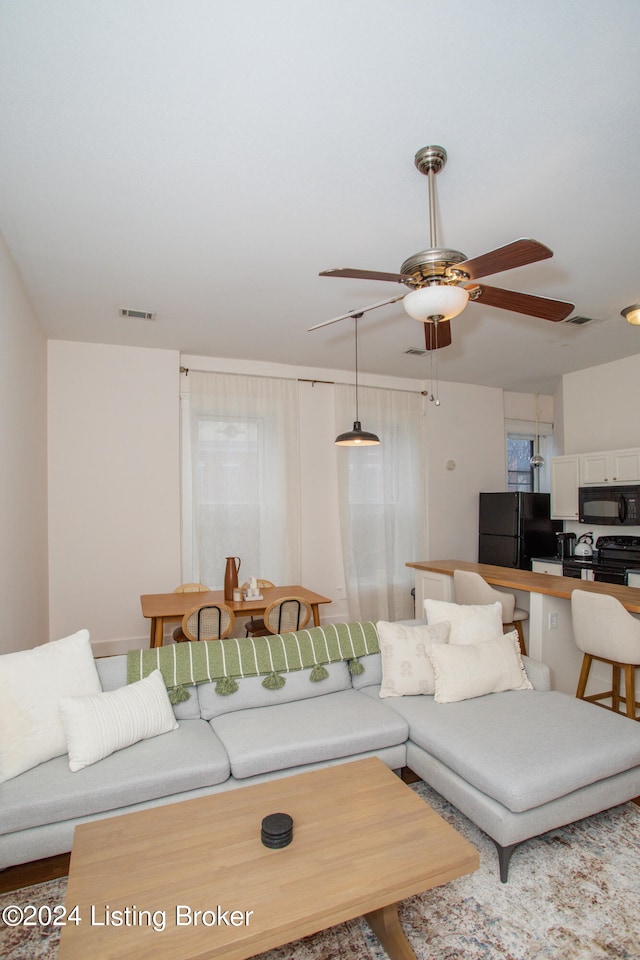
(515, 527)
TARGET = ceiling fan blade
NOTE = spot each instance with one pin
(526, 303)
(516, 254)
(437, 335)
(365, 275)
(358, 312)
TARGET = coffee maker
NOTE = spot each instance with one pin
(565, 545)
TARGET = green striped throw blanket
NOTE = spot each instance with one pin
(224, 662)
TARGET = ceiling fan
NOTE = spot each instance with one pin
(438, 277)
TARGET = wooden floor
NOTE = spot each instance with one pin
(25, 874)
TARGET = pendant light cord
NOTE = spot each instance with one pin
(356, 318)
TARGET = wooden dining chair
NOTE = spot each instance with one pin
(255, 626)
(208, 621)
(286, 615)
(178, 633)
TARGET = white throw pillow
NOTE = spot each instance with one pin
(470, 623)
(98, 725)
(406, 668)
(472, 670)
(32, 682)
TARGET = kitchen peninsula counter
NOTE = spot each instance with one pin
(545, 583)
(549, 630)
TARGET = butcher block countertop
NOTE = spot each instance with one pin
(546, 583)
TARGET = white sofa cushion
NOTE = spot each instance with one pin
(251, 693)
(406, 668)
(113, 674)
(100, 724)
(288, 735)
(32, 683)
(470, 670)
(191, 758)
(470, 622)
(523, 749)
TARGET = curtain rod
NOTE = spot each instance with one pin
(314, 380)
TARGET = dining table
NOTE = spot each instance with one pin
(163, 608)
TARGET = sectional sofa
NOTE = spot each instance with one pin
(517, 762)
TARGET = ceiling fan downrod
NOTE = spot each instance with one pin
(430, 161)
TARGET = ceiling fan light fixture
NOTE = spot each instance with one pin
(357, 437)
(437, 300)
(632, 314)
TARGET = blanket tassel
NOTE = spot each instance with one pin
(318, 673)
(273, 681)
(225, 686)
(355, 667)
(178, 694)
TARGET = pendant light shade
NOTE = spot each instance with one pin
(438, 300)
(356, 437)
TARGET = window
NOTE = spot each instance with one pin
(519, 471)
(521, 445)
(240, 478)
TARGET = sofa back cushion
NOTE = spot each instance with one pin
(113, 674)
(251, 692)
(372, 673)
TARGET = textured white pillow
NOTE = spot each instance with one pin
(470, 670)
(406, 668)
(32, 682)
(98, 725)
(470, 623)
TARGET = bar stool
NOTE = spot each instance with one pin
(472, 588)
(608, 633)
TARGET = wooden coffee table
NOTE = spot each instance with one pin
(193, 879)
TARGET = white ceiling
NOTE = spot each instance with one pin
(204, 160)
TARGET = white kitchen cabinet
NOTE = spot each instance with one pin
(546, 566)
(431, 585)
(564, 487)
(610, 467)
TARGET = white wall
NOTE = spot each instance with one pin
(600, 412)
(114, 498)
(466, 430)
(601, 406)
(23, 474)
(523, 406)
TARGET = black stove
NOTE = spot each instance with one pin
(613, 556)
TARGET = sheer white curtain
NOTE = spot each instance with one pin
(382, 499)
(240, 477)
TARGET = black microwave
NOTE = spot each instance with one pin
(610, 506)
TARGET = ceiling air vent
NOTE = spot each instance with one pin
(416, 352)
(580, 321)
(136, 314)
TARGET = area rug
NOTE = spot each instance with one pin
(573, 894)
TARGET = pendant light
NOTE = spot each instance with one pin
(537, 461)
(356, 437)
